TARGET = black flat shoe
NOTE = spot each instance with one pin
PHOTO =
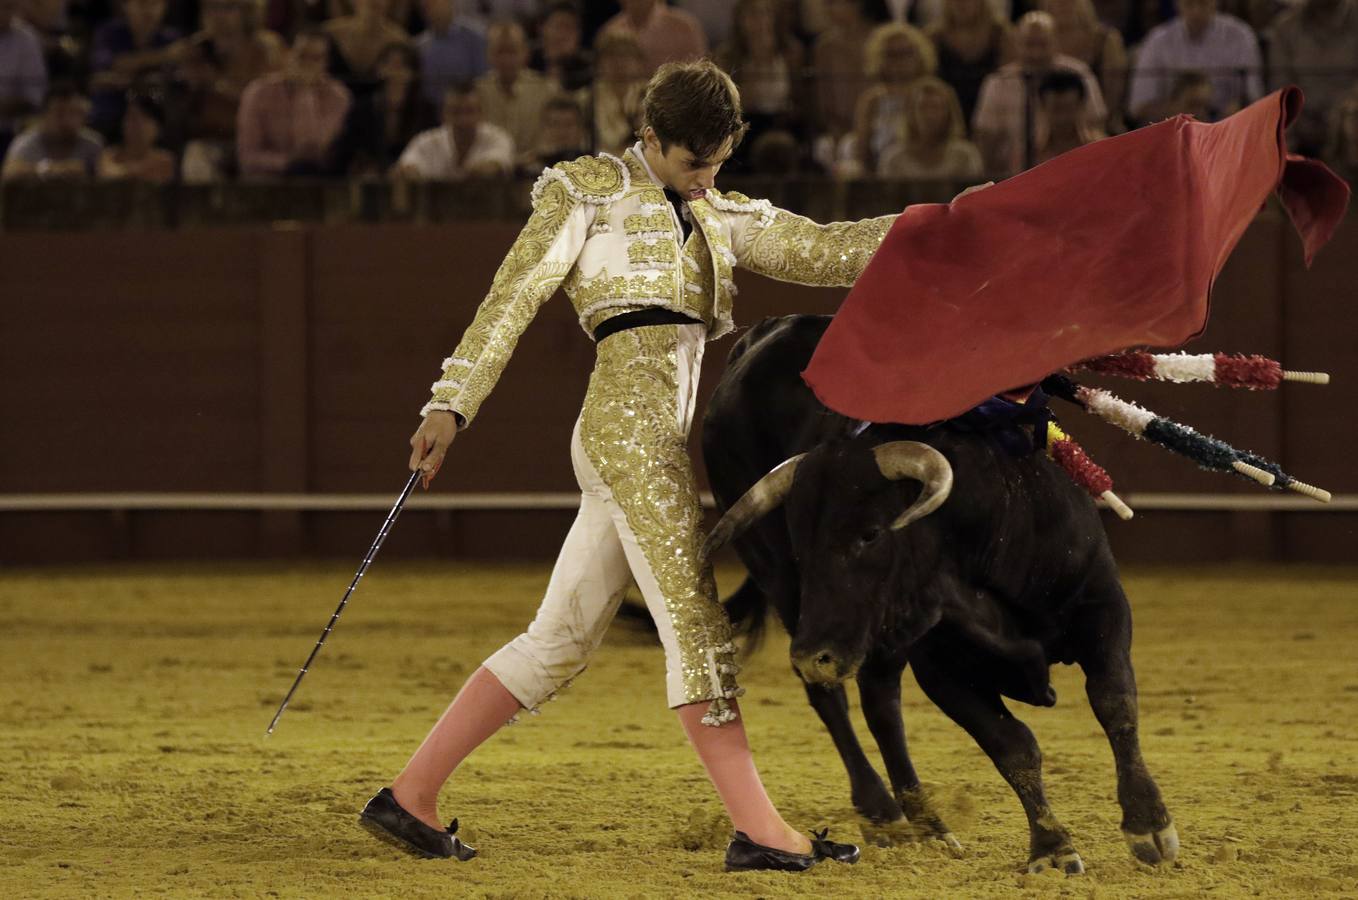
(385, 820)
(744, 855)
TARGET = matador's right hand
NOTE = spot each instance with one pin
(430, 442)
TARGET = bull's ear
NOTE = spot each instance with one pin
(918, 462)
(764, 496)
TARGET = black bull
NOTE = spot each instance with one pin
(1012, 573)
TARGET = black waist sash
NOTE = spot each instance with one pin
(654, 315)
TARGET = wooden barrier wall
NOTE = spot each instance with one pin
(295, 360)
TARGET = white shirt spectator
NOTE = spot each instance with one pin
(1227, 52)
(432, 155)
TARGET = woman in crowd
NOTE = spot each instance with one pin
(359, 40)
(933, 144)
(897, 55)
(972, 41)
(766, 63)
(1080, 34)
(136, 156)
(213, 68)
(384, 121)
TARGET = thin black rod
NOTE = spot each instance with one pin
(372, 552)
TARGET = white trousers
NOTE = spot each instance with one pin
(633, 526)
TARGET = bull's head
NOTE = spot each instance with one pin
(848, 509)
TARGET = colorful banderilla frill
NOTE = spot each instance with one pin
(1073, 460)
(1236, 370)
(1206, 451)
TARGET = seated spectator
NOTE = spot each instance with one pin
(212, 69)
(1315, 46)
(23, 72)
(613, 101)
(1004, 125)
(1341, 150)
(359, 39)
(1204, 40)
(464, 146)
(559, 55)
(563, 135)
(934, 144)
(1191, 94)
(664, 33)
(136, 156)
(837, 64)
(1080, 35)
(59, 145)
(381, 124)
(513, 95)
(1063, 116)
(136, 47)
(289, 120)
(972, 41)
(450, 52)
(897, 55)
(766, 64)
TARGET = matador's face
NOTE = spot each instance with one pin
(683, 172)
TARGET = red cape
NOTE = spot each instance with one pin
(1110, 246)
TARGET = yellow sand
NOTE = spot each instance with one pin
(134, 762)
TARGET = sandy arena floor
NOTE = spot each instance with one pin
(134, 760)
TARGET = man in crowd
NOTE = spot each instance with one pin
(1314, 45)
(23, 72)
(1007, 111)
(59, 146)
(289, 120)
(1205, 40)
(450, 52)
(513, 95)
(463, 146)
(134, 48)
(665, 34)
(563, 136)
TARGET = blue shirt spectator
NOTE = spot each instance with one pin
(450, 53)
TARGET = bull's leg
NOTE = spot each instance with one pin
(1008, 743)
(1111, 686)
(880, 691)
(870, 796)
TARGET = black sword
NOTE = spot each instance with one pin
(372, 552)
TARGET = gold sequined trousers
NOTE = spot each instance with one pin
(639, 520)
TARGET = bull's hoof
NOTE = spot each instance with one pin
(925, 822)
(1155, 848)
(1067, 861)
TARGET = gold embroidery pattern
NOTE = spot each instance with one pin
(652, 254)
(715, 277)
(520, 287)
(659, 223)
(799, 250)
(630, 430)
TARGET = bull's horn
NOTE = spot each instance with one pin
(922, 463)
(761, 499)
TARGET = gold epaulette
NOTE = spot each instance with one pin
(589, 179)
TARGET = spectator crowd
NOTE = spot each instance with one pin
(202, 91)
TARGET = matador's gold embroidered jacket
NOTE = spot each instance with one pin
(603, 230)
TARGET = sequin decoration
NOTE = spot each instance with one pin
(630, 428)
(794, 248)
(540, 259)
